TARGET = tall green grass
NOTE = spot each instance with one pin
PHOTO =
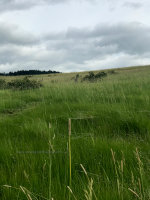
(109, 141)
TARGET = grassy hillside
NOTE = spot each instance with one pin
(109, 143)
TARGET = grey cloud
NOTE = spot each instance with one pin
(77, 47)
(11, 34)
(134, 5)
(11, 5)
(132, 38)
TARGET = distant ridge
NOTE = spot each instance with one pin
(28, 72)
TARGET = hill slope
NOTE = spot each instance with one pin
(110, 137)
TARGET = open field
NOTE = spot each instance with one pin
(109, 142)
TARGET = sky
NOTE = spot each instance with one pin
(73, 35)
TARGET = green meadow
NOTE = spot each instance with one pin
(101, 153)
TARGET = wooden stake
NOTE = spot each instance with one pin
(69, 137)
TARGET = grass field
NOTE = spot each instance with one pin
(107, 156)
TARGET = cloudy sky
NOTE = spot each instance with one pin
(73, 35)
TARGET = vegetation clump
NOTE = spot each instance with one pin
(76, 78)
(20, 84)
(112, 72)
(2, 84)
(94, 77)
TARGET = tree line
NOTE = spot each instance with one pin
(28, 72)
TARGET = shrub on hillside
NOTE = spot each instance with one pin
(94, 77)
(23, 84)
(112, 72)
(2, 84)
(100, 75)
(76, 78)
